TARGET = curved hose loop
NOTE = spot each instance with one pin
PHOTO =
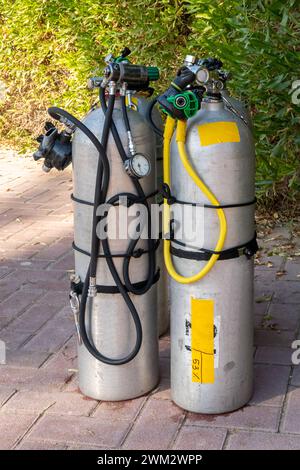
(181, 137)
(103, 163)
(148, 116)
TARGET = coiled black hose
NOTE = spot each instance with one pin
(148, 116)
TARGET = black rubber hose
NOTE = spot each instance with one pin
(133, 243)
(113, 126)
(148, 116)
(56, 113)
(101, 187)
(124, 114)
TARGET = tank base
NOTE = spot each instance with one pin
(213, 410)
(117, 397)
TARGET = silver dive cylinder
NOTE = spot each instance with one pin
(108, 321)
(212, 319)
(163, 312)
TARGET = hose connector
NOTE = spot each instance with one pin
(92, 292)
(112, 88)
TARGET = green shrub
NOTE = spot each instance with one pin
(258, 42)
(50, 47)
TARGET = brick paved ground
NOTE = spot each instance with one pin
(41, 407)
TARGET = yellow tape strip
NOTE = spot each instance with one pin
(218, 133)
(202, 343)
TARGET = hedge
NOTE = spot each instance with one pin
(50, 47)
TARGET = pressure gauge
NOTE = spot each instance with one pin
(138, 166)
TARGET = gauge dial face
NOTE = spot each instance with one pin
(140, 165)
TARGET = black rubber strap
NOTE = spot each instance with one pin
(136, 201)
(166, 194)
(81, 201)
(77, 287)
(248, 249)
(135, 254)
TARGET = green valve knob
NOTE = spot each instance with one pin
(153, 74)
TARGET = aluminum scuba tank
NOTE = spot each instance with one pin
(114, 289)
(109, 321)
(212, 318)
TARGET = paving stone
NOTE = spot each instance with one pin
(29, 402)
(86, 447)
(262, 441)
(64, 263)
(196, 438)
(270, 384)
(127, 409)
(35, 444)
(5, 393)
(273, 338)
(164, 364)
(14, 338)
(296, 376)
(260, 308)
(156, 426)
(283, 316)
(164, 348)
(75, 404)
(34, 318)
(163, 391)
(273, 355)
(291, 419)
(80, 430)
(16, 377)
(54, 333)
(292, 269)
(55, 251)
(13, 427)
(21, 358)
(55, 403)
(287, 292)
(264, 418)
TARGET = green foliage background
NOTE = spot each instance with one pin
(49, 48)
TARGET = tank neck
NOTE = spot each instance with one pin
(212, 105)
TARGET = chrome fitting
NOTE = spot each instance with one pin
(112, 88)
(131, 143)
(123, 89)
(92, 292)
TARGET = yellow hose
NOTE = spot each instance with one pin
(180, 138)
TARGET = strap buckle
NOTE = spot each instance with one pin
(166, 194)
